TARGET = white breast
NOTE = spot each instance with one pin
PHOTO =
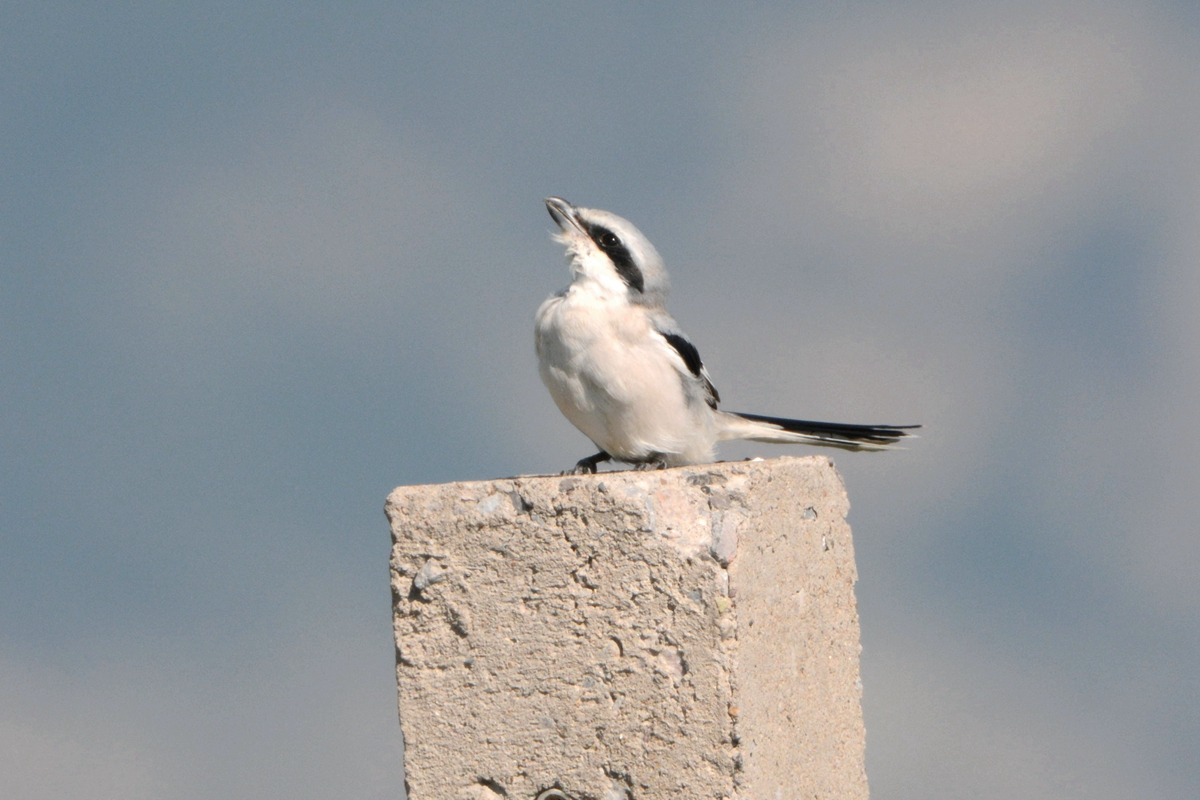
(616, 379)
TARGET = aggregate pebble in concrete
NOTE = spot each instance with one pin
(689, 633)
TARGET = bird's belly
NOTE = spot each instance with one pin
(618, 388)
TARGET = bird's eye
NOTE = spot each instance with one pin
(609, 239)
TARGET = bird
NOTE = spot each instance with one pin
(623, 372)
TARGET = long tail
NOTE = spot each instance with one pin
(758, 428)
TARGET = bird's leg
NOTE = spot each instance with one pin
(652, 464)
(587, 466)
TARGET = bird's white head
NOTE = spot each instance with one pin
(608, 250)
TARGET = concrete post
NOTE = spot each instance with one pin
(689, 633)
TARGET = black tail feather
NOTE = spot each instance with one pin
(841, 431)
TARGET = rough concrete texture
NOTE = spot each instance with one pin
(689, 633)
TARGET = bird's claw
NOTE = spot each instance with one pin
(587, 466)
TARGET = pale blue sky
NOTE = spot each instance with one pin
(260, 263)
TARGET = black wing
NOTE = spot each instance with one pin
(691, 359)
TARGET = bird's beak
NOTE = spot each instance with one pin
(563, 213)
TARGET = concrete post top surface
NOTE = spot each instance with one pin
(631, 635)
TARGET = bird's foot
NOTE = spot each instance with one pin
(650, 466)
(587, 466)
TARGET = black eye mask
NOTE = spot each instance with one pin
(619, 254)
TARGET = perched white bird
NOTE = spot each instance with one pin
(621, 370)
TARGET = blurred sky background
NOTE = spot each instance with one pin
(261, 263)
